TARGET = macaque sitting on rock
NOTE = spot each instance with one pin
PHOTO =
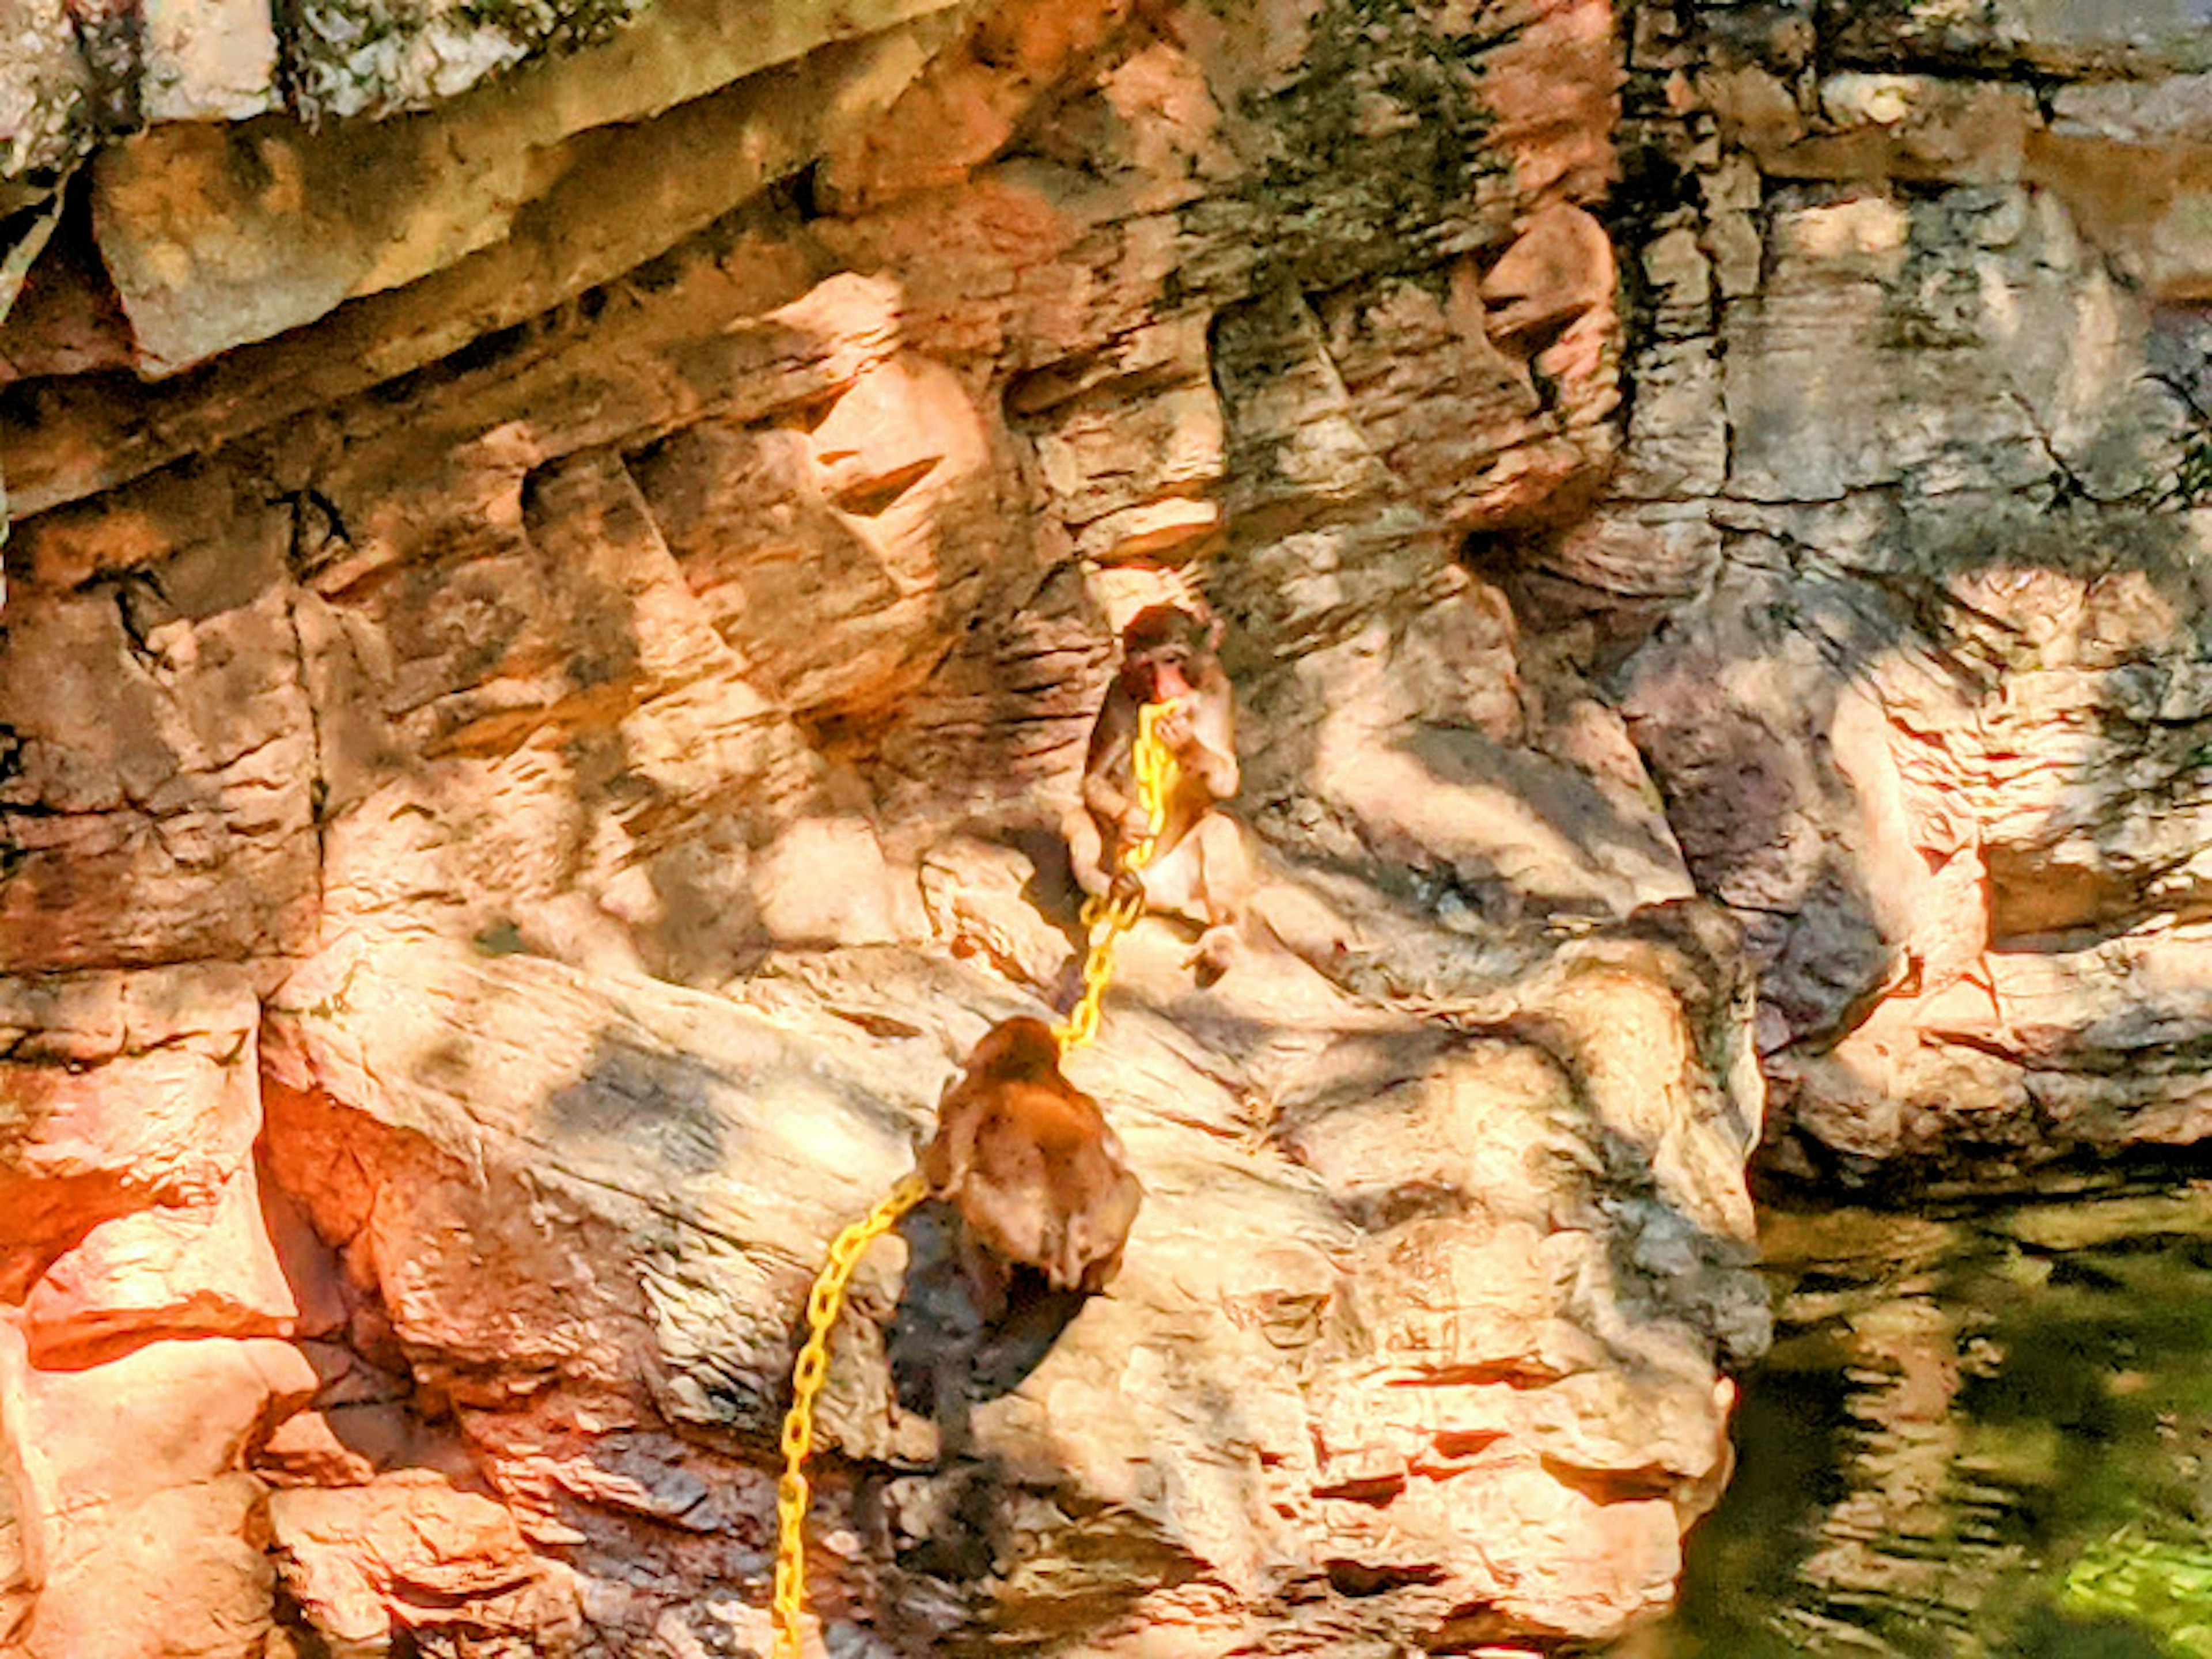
(1198, 872)
(1032, 1203)
(1031, 1163)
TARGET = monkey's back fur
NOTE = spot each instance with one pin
(1031, 1163)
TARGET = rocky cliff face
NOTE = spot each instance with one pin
(1918, 474)
(562, 562)
(549, 638)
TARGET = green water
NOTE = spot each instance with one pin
(1989, 1434)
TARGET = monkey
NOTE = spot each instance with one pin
(1032, 1202)
(1199, 870)
(1030, 1164)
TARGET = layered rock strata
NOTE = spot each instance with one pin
(549, 635)
(1902, 583)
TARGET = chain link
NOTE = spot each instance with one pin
(1105, 919)
(1114, 912)
(823, 1303)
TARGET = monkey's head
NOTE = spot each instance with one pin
(1017, 1048)
(1165, 648)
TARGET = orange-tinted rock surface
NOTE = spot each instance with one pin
(550, 634)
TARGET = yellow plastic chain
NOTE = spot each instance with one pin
(823, 1303)
(1106, 920)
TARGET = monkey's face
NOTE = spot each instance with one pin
(1162, 675)
(1161, 649)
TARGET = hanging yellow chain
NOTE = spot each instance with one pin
(823, 1303)
(1107, 919)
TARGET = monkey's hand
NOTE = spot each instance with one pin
(1126, 891)
(1174, 729)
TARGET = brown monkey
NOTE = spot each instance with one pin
(1030, 1204)
(1030, 1164)
(1198, 872)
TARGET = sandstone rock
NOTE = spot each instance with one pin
(2005, 543)
(969, 103)
(372, 57)
(623, 1225)
(628, 751)
(1754, 107)
(1671, 552)
(42, 84)
(155, 799)
(2150, 208)
(125, 1091)
(216, 238)
(625, 194)
(306, 1449)
(2147, 113)
(1520, 353)
(2085, 41)
(166, 1415)
(206, 62)
(193, 1557)
(1559, 270)
(1677, 445)
(450, 1265)
(1909, 127)
(65, 321)
(407, 1558)
(1152, 499)
(1816, 424)
(25, 1494)
(202, 1269)
(887, 495)
(131, 1221)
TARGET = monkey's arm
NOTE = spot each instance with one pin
(1211, 754)
(1104, 798)
(1109, 795)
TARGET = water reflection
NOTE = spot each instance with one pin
(1989, 1435)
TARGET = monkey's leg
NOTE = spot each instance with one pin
(937, 1330)
(1224, 891)
(1086, 851)
(1174, 881)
